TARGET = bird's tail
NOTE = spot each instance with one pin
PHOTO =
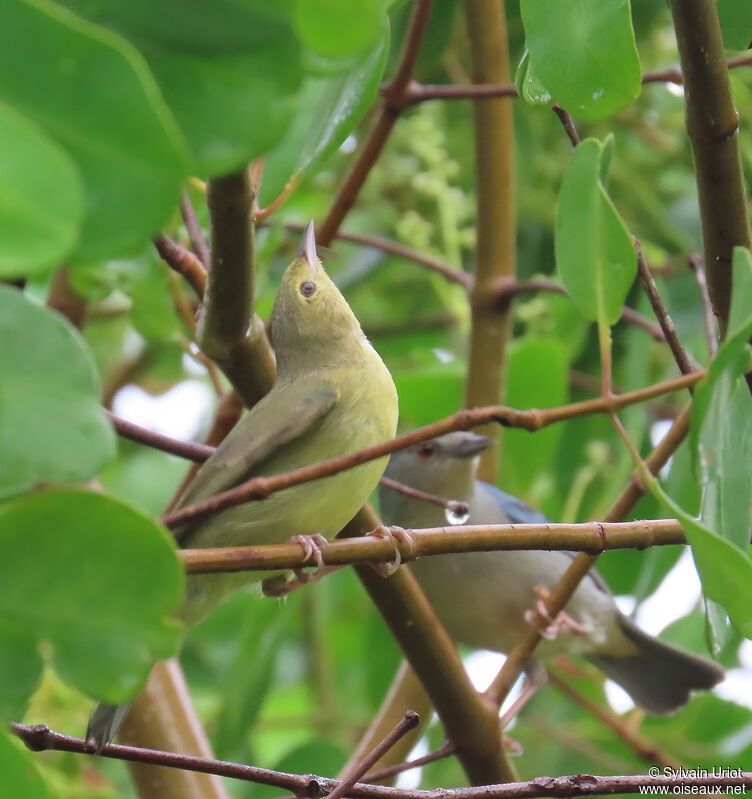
(659, 677)
(104, 722)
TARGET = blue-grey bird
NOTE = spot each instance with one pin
(482, 597)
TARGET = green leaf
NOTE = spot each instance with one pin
(594, 252)
(339, 28)
(720, 433)
(328, 112)
(725, 572)
(51, 425)
(41, 203)
(736, 23)
(90, 581)
(229, 72)
(21, 780)
(529, 85)
(584, 53)
(537, 377)
(92, 93)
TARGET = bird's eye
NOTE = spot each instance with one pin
(308, 289)
(426, 450)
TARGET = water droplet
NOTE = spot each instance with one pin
(456, 518)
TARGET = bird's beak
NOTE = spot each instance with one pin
(307, 247)
(471, 445)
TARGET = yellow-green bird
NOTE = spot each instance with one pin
(332, 396)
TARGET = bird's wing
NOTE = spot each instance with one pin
(283, 415)
(520, 512)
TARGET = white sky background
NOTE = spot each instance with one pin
(183, 411)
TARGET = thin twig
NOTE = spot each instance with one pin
(698, 267)
(409, 722)
(453, 505)
(183, 261)
(683, 360)
(648, 750)
(567, 123)
(183, 449)
(420, 93)
(401, 251)
(592, 537)
(394, 101)
(445, 750)
(195, 234)
(39, 738)
(259, 488)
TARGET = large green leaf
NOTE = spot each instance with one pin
(721, 433)
(41, 202)
(328, 112)
(583, 53)
(20, 778)
(92, 93)
(229, 71)
(88, 582)
(594, 252)
(736, 23)
(51, 425)
(339, 28)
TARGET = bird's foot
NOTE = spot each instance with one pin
(313, 548)
(393, 535)
(548, 626)
(513, 746)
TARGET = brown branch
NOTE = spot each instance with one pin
(409, 722)
(712, 126)
(420, 93)
(182, 261)
(228, 331)
(259, 488)
(401, 251)
(306, 786)
(195, 234)
(183, 449)
(447, 749)
(592, 537)
(648, 750)
(683, 360)
(581, 565)
(698, 267)
(469, 722)
(394, 101)
(63, 299)
(453, 505)
(504, 288)
(496, 220)
(567, 124)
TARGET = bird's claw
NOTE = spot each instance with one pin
(393, 535)
(549, 627)
(313, 547)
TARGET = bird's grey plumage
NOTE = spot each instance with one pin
(481, 597)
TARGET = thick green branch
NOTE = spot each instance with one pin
(712, 125)
(227, 330)
(494, 170)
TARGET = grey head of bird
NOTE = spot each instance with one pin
(312, 324)
(446, 465)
